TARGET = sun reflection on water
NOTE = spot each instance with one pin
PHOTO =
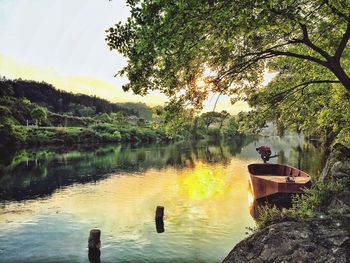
(205, 210)
(202, 182)
(250, 198)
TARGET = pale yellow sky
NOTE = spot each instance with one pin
(74, 83)
(62, 43)
(91, 85)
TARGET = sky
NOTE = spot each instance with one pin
(62, 42)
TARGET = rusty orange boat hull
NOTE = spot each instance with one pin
(267, 179)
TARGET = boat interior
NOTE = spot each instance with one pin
(267, 169)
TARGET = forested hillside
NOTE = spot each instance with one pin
(38, 113)
(63, 102)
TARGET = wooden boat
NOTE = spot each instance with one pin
(267, 179)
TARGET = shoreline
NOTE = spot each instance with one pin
(323, 237)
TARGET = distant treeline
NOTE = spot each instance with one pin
(63, 102)
(36, 113)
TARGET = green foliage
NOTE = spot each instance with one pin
(5, 88)
(141, 122)
(316, 109)
(117, 136)
(316, 197)
(81, 110)
(10, 133)
(127, 133)
(213, 117)
(141, 109)
(214, 133)
(63, 102)
(5, 115)
(118, 117)
(59, 120)
(169, 44)
(39, 114)
(104, 127)
(104, 117)
(98, 133)
(15, 110)
(230, 128)
(271, 214)
(85, 119)
(252, 122)
(344, 137)
(175, 119)
(40, 135)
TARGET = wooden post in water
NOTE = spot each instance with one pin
(159, 225)
(94, 239)
(159, 219)
(159, 212)
(94, 246)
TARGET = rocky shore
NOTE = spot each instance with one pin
(322, 238)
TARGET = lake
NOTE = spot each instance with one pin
(52, 197)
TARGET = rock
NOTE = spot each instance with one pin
(315, 240)
(340, 203)
(337, 165)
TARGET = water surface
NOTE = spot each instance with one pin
(52, 197)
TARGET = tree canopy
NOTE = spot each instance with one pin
(39, 114)
(169, 44)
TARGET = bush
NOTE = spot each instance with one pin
(104, 127)
(10, 133)
(230, 129)
(103, 132)
(117, 135)
(40, 135)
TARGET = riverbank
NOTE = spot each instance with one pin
(98, 133)
(324, 237)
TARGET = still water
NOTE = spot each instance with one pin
(52, 197)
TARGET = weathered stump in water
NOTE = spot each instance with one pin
(94, 239)
(159, 212)
(94, 256)
(94, 246)
(159, 225)
(159, 219)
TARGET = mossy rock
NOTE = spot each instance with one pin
(337, 167)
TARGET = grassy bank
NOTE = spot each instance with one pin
(32, 135)
(304, 206)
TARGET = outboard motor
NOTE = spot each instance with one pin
(265, 153)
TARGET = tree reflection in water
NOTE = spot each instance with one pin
(29, 173)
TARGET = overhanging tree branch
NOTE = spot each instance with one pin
(302, 86)
(295, 89)
(263, 55)
(300, 56)
(343, 42)
(307, 41)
